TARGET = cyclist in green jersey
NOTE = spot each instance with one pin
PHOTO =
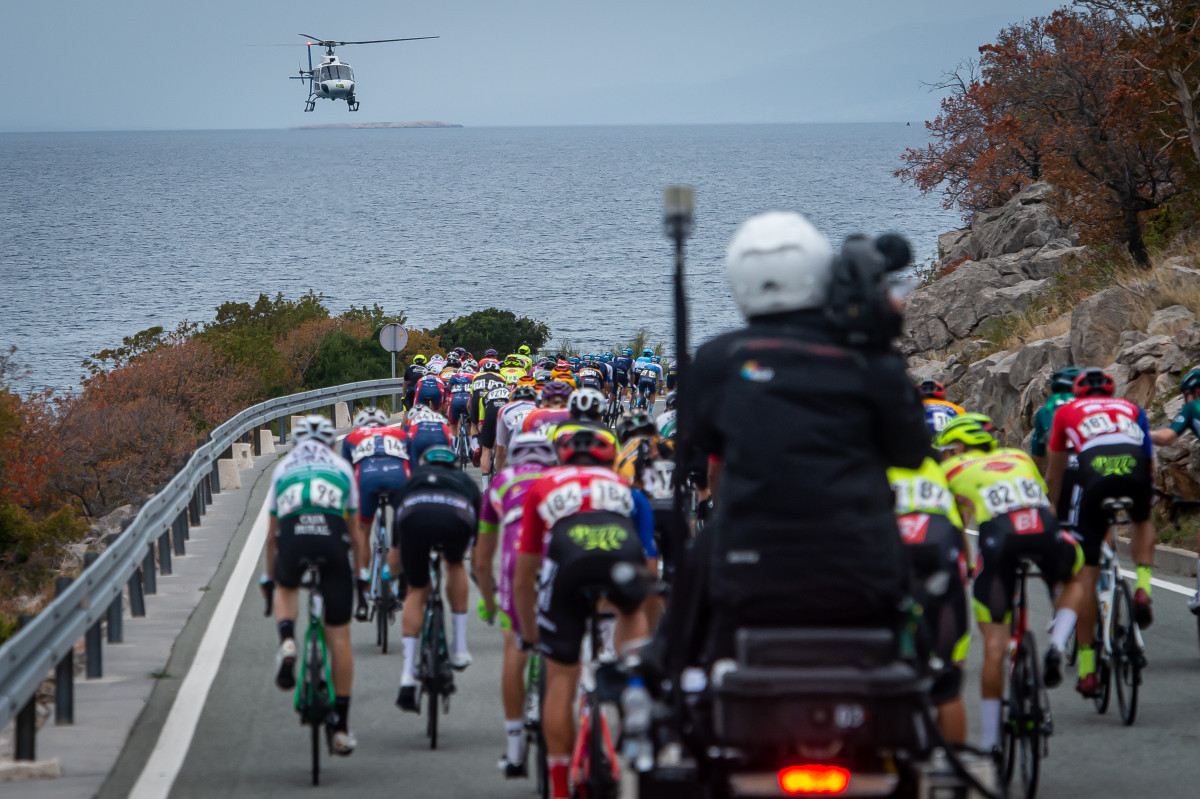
(313, 504)
(931, 529)
(1061, 392)
(1187, 419)
(1001, 491)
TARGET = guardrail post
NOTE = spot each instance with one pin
(164, 553)
(281, 422)
(92, 638)
(64, 673)
(137, 600)
(179, 534)
(206, 487)
(214, 478)
(193, 510)
(255, 442)
(114, 617)
(332, 411)
(26, 732)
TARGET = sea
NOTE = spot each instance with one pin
(108, 233)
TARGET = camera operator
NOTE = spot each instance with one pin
(800, 412)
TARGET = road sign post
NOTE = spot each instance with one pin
(394, 338)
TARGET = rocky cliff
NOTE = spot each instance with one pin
(1142, 327)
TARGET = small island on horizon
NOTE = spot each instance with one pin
(378, 125)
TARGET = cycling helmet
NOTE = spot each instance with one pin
(370, 417)
(524, 392)
(1063, 381)
(968, 431)
(531, 448)
(471, 365)
(490, 365)
(587, 403)
(931, 389)
(315, 427)
(1094, 381)
(632, 424)
(655, 359)
(585, 445)
(672, 398)
(490, 353)
(556, 389)
(454, 362)
(541, 376)
(647, 353)
(420, 359)
(438, 455)
(778, 262)
(460, 351)
(512, 360)
(522, 350)
(627, 351)
(1191, 381)
(608, 356)
(984, 421)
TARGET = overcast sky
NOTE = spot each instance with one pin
(150, 64)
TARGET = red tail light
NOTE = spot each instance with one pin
(813, 779)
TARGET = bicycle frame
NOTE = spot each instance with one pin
(593, 734)
(314, 636)
(1110, 567)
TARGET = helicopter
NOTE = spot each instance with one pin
(332, 79)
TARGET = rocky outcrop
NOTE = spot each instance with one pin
(996, 267)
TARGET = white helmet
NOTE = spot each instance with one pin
(370, 417)
(778, 262)
(587, 402)
(315, 427)
(531, 448)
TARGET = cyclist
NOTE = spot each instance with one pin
(436, 364)
(524, 356)
(666, 420)
(622, 365)
(530, 455)
(552, 407)
(1001, 491)
(672, 378)
(562, 371)
(412, 374)
(1187, 419)
(648, 376)
(379, 455)
(431, 391)
(493, 402)
(521, 403)
(1111, 437)
(426, 428)
(513, 369)
(458, 385)
(439, 507)
(313, 506)
(932, 530)
(453, 366)
(590, 377)
(578, 521)
(938, 410)
(487, 379)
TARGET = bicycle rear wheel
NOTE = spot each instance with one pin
(1126, 655)
(1103, 672)
(433, 677)
(1022, 728)
(316, 704)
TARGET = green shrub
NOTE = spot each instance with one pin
(492, 327)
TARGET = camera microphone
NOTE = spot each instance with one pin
(895, 249)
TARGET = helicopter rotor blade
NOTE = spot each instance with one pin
(314, 39)
(380, 41)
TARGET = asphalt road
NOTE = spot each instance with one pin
(248, 742)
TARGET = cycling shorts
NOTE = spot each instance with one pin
(423, 439)
(620, 378)
(430, 519)
(1068, 496)
(1032, 533)
(1115, 470)
(312, 537)
(409, 398)
(648, 384)
(504, 582)
(487, 429)
(458, 407)
(579, 558)
(427, 394)
(375, 475)
(934, 546)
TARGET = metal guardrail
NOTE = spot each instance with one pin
(47, 641)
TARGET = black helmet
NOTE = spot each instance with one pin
(632, 424)
(1063, 381)
(1094, 381)
(671, 400)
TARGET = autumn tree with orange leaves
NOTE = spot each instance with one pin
(1060, 98)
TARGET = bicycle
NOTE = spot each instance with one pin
(535, 693)
(383, 605)
(435, 677)
(1177, 504)
(314, 690)
(595, 769)
(1026, 724)
(1120, 651)
(462, 445)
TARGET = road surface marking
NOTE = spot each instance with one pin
(175, 738)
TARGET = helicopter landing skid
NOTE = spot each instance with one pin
(309, 104)
(351, 104)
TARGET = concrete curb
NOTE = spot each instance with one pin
(1172, 560)
(21, 771)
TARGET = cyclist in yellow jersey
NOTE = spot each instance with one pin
(512, 370)
(1001, 491)
(931, 529)
(524, 356)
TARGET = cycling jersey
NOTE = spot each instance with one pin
(431, 391)
(566, 492)
(439, 507)
(526, 361)
(1188, 418)
(1093, 421)
(590, 378)
(448, 372)
(501, 514)
(544, 417)
(428, 433)
(565, 375)
(311, 479)
(642, 465)
(666, 423)
(672, 375)
(990, 484)
(481, 386)
(512, 374)
(511, 417)
(622, 365)
(493, 402)
(939, 412)
(923, 490)
(1042, 421)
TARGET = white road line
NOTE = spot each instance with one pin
(1154, 581)
(176, 736)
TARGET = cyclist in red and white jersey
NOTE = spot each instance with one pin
(1116, 459)
(521, 402)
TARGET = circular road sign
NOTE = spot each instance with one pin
(393, 337)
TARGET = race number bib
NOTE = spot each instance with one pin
(922, 494)
(497, 394)
(391, 447)
(611, 496)
(561, 502)
(324, 494)
(660, 481)
(1009, 495)
(289, 500)
(516, 419)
